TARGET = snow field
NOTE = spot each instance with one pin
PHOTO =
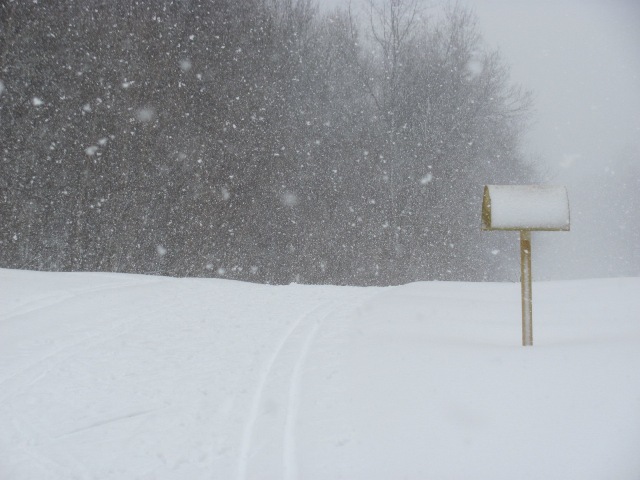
(111, 376)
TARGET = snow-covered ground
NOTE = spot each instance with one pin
(110, 376)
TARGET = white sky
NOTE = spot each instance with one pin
(582, 60)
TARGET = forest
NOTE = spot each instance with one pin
(260, 140)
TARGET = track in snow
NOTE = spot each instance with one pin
(269, 436)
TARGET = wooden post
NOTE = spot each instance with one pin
(525, 280)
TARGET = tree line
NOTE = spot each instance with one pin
(262, 140)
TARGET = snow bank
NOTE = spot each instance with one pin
(106, 376)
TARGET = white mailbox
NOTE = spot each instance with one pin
(525, 208)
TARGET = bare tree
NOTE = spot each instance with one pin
(258, 139)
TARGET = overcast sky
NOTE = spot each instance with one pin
(582, 60)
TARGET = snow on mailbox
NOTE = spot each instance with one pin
(525, 208)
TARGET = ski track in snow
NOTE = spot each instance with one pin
(307, 326)
(250, 426)
(69, 350)
(56, 298)
(299, 338)
(106, 421)
(293, 406)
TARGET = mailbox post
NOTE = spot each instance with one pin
(525, 208)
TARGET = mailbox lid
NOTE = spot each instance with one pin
(525, 207)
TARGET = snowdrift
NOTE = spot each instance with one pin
(110, 376)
